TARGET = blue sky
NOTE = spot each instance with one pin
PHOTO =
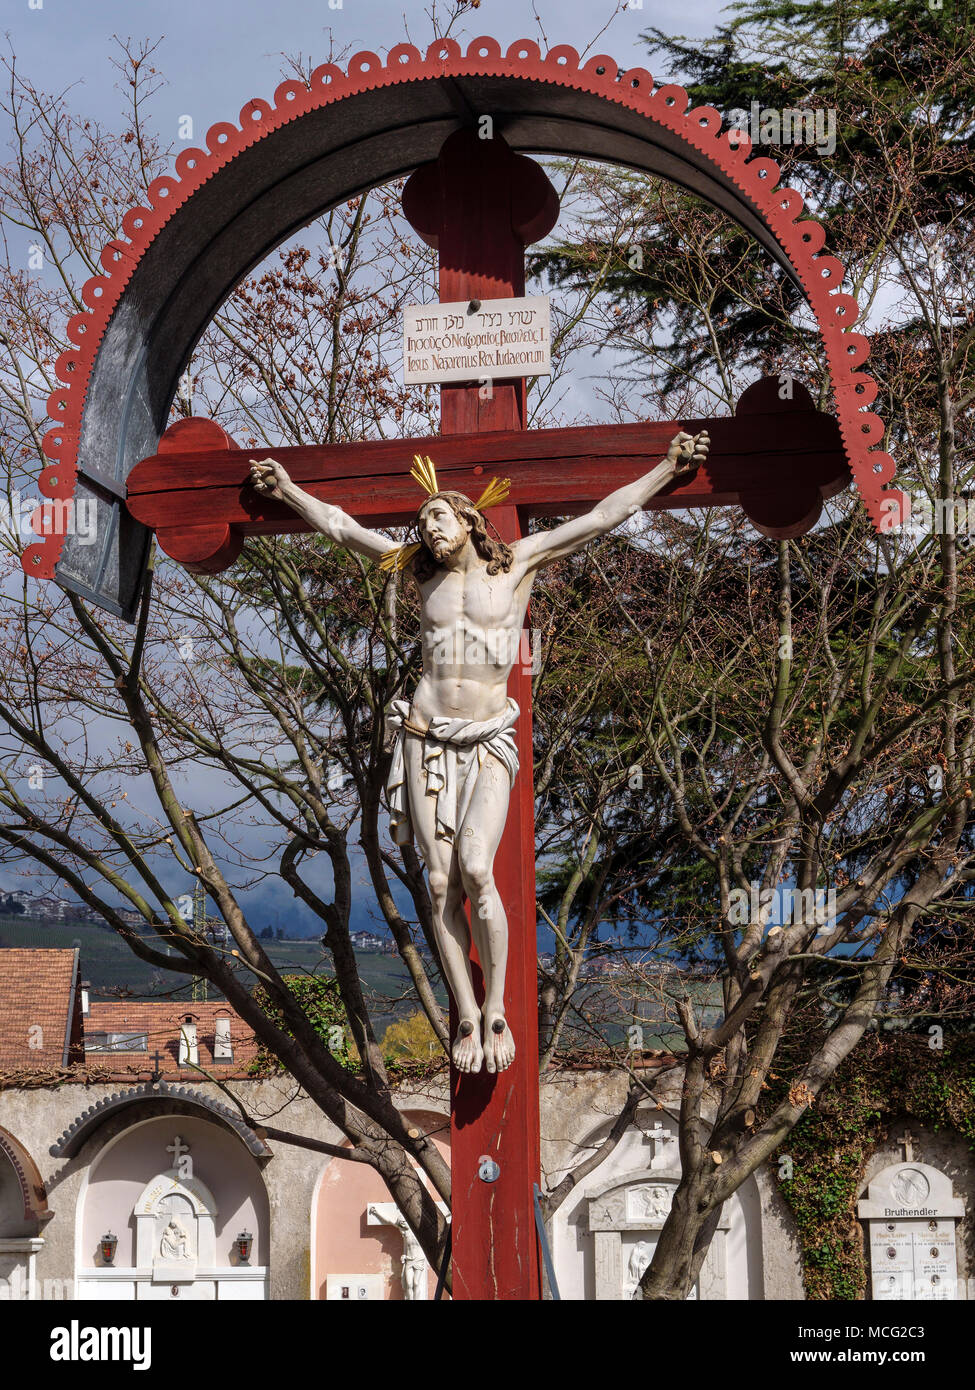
(218, 54)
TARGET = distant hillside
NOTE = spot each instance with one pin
(109, 965)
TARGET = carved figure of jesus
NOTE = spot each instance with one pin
(455, 759)
(413, 1272)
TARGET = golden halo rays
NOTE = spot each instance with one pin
(425, 473)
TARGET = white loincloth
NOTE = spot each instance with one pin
(453, 752)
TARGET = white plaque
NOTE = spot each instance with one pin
(650, 1202)
(453, 342)
(913, 1259)
(911, 1214)
(935, 1262)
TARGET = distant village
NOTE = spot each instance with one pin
(369, 941)
(48, 908)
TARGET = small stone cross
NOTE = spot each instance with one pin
(177, 1148)
(659, 1135)
(907, 1143)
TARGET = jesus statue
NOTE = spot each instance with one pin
(454, 755)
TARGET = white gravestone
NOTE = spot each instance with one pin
(911, 1214)
(175, 1222)
(626, 1217)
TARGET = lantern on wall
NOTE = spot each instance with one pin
(108, 1245)
(243, 1245)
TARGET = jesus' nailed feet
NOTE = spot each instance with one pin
(454, 753)
(496, 1052)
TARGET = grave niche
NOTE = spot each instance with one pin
(626, 1217)
(911, 1216)
(174, 1219)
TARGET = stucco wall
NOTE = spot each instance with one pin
(576, 1110)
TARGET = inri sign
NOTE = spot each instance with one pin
(490, 338)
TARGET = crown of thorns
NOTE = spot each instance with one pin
(426, 475)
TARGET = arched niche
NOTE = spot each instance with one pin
(23, 1197)
(350, 1251)
(596, 1231)
(178, 1168)
(23, 1215)
(225, 206)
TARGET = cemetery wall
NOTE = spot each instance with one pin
(768, 1246)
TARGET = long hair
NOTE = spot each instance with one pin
(498, 555)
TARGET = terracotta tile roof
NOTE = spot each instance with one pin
(160, 1021)
(40, 1008)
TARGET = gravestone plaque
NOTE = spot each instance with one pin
(911, 1214)
(625, 1218)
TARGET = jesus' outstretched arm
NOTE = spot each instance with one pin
(270, 479)
(685, 455)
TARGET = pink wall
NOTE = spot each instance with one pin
(344, 1244)
(219, 1159)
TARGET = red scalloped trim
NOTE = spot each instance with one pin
(821, 276)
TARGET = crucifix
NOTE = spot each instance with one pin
(413, 1266)
(659, 1137)
(479, 204)
(455, 756)
(177, 1148)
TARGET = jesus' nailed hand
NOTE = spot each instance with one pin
(452, 789)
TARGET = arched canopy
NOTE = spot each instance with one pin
(168, 1099)
(256, 183)
(194, 1189)
(28, 1179)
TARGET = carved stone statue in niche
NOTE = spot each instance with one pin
(174, 1244)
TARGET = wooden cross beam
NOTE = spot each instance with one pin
(775, 458)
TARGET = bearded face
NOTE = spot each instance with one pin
(441, 529)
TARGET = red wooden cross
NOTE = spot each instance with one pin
(480, 205)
